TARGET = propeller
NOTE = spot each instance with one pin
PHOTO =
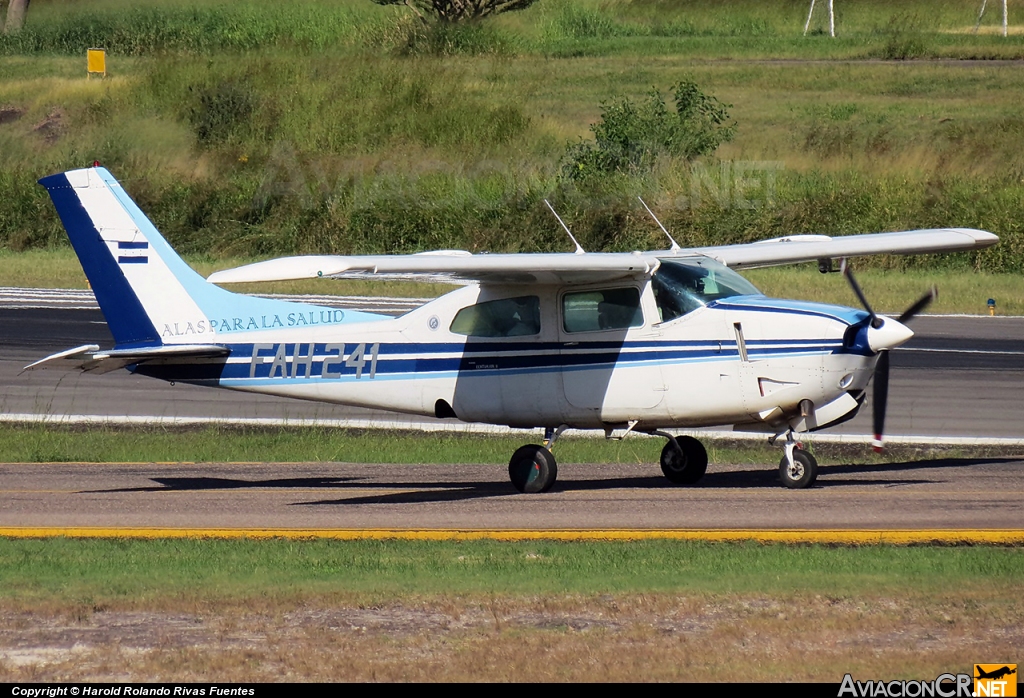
(880, 396)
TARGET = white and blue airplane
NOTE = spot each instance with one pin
(641, 342)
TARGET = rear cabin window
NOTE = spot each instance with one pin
(609, 309)
(507, 317)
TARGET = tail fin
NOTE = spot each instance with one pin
(147, 293)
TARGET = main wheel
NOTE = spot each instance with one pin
(686, 463)
(532, 469)
(802, 473)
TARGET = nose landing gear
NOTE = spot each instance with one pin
(798, 469)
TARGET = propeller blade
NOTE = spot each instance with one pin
(848, 273)
(880, 398)
(922, 303)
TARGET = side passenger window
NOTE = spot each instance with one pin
(507, 317)
(607, 309)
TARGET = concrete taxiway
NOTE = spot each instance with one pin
(936, 493)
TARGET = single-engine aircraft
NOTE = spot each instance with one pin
(625, 342)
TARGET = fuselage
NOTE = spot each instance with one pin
(561, 357)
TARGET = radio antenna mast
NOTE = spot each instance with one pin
(675, 245)
(579, 249)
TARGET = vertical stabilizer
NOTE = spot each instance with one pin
(147, 293)
(112, 249)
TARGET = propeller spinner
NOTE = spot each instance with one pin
(882, 335)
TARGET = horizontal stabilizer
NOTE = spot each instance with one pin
(89, 359)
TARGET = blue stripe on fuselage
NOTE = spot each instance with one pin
(763, 304)
(436, 360)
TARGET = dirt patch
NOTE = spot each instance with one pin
(572, 638)
(9, 114)
(53, 126)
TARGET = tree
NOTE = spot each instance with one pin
(16, 10)
(632, 135)
(458, 10)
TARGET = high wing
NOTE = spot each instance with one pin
(459, 266)
(807, 248)
(453, 266)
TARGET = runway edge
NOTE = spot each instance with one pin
(1013, 537)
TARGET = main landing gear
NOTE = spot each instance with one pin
(533, 468)
(683, 460)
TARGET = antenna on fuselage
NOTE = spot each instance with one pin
(579, 249)
(675, 245)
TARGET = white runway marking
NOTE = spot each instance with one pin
(401, 424)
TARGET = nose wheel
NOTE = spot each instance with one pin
(798, 469)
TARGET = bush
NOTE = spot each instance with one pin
(631, 136)
(219, 111)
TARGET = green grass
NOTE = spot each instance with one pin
(247, 131)
(126, 572)
(228, 444)
(36, 443)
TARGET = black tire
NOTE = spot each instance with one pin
(804, 471)
(685, 464)
(532, 469)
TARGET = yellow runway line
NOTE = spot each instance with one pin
(821, 536)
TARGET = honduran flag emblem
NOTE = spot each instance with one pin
(132, 252)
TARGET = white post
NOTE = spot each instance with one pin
(808, 23)
(1004, 17)
(978, 23)
(832, 20)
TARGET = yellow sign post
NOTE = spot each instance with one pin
(97, 61)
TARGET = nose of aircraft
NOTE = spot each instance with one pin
(890, 333)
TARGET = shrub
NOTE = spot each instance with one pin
(631, 136)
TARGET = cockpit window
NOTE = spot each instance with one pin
(681, 286)
(507, 317)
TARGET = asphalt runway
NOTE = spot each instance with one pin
(957, 493)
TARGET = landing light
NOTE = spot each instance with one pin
(845, 381)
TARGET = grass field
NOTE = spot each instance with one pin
(392, 610)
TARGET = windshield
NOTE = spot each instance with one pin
(683, 285)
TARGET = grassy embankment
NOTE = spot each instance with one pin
(246, 131)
